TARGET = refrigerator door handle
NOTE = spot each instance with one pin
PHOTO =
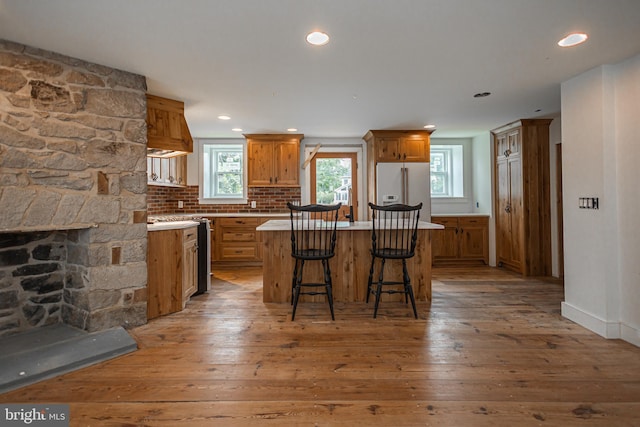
(406, 186)
(402, 184)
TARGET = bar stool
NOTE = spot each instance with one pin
(394, 236)
(313, 238)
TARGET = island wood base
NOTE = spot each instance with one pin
(349, 268)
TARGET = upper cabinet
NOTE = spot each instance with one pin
(274, 159)
(167, 131)
(399, 145)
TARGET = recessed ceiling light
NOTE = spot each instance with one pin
(430, 126)
(236, 130)
(292, 130)
(317, 38)
(573, 39)
(223, 117)
(482, 94)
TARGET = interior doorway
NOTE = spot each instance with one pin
(333, 179)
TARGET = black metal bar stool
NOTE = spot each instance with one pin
(394, 236)
(313, 238)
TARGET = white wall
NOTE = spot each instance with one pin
(482, 186)
(600, 158)
(627, 113)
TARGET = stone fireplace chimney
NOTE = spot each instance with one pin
(72, 192)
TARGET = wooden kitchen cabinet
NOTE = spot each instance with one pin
(399, 145)
(172, 269)
(237, 239)
(274, 160)
(522, 202)
(465, 239)
(190, 260)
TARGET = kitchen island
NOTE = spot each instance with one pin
(349, 267)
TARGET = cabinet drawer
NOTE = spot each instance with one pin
(189, 234)
(239, 252)
(474, 222)
(238, 236)
(446, 221)
(234, 222)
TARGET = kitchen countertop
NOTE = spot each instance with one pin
(285, 225)
(171, 225)
(458, 214)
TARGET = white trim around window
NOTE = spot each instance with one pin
(223, 169)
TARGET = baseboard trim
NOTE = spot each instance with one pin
(630, 334)
(595, 324)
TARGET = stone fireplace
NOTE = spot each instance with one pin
(72, 192)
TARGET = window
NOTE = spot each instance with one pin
(446, 164)
(223, 173)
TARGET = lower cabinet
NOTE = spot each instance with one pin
(236, 239)
(172, 269)
(465, 239)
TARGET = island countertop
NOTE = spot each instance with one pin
(285, 225)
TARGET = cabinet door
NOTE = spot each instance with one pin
(387, 149)
(190, 262)
(473, 239)
(260, 164)
(503, 208)
(444, 243)
(287, 158)
(516, 218)
(414, 150)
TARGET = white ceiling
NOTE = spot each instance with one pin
(389, 63)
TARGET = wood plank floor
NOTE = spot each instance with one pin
(490, 350)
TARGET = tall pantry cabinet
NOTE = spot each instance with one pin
(522, 203)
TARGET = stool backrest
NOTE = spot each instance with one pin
(313, 230)
(395, 230)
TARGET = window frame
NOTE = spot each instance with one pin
(454, 158)
(204, 164)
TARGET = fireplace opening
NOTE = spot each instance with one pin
(42, 280)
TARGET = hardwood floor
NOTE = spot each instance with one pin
(491, 350)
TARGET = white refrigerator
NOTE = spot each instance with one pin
(407, 183)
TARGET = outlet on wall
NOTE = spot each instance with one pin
(180, 204)
(253, 204)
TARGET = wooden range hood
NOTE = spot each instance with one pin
(167, 131)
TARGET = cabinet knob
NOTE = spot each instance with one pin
(507, 209)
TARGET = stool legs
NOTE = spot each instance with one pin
(376, 288)
(408, 289)
(297, 280)
(328, 285)
(296, 285)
